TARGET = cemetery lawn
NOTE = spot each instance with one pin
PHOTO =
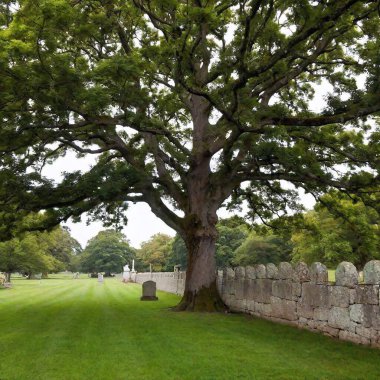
(78, 329)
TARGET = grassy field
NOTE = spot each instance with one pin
(79, 329)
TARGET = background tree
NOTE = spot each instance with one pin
(38, 252)
(186, 105)
(232, 232)
(62, 246)
(178, 254)
(349, 233)
(258, 249)
(155, 251)
(29, 254)
(107, 252)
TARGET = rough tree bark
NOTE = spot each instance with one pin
(201, 293)
(200, 233)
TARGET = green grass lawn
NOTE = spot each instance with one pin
(78, 329)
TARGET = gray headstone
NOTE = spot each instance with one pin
(149, 291)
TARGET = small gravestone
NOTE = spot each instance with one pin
(149, 291)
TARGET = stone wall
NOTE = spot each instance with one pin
(171, 282)
(299, 296)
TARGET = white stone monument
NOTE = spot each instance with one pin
(133, 272)
(100, 278)
(126, 273)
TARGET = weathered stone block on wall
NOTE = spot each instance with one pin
(352, 337)
(339, 296)
(285, 271)
(282, 289)
(353, 326)
(296, 290)
(368, 294)
(375, 317)
(261, 271)
(250, 273)
(339, 317)
(262, 290)
(284, 309)
(329, 331)
(368, 333)
(250, 289)
(239, 288)
(227, 299)
(219, 281)
(315, 295)
(362, 314)
(264, 309)
(346, 275)
(371, 272)
(239, 273)
(301, 273)
(272, 271)
(321, 314)
(230, 273)
(229, 281)
(238, 305)
(250, 305)
(305, 310)
(315, 325)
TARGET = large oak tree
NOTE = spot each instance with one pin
(186, 105)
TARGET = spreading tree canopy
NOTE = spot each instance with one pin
(186, 105)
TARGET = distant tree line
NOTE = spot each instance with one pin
(46, 252)
(336, 230)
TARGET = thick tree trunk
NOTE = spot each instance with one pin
(199, 227)
(8, 276)
(201, 292)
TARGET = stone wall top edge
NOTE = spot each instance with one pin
(346, 273)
